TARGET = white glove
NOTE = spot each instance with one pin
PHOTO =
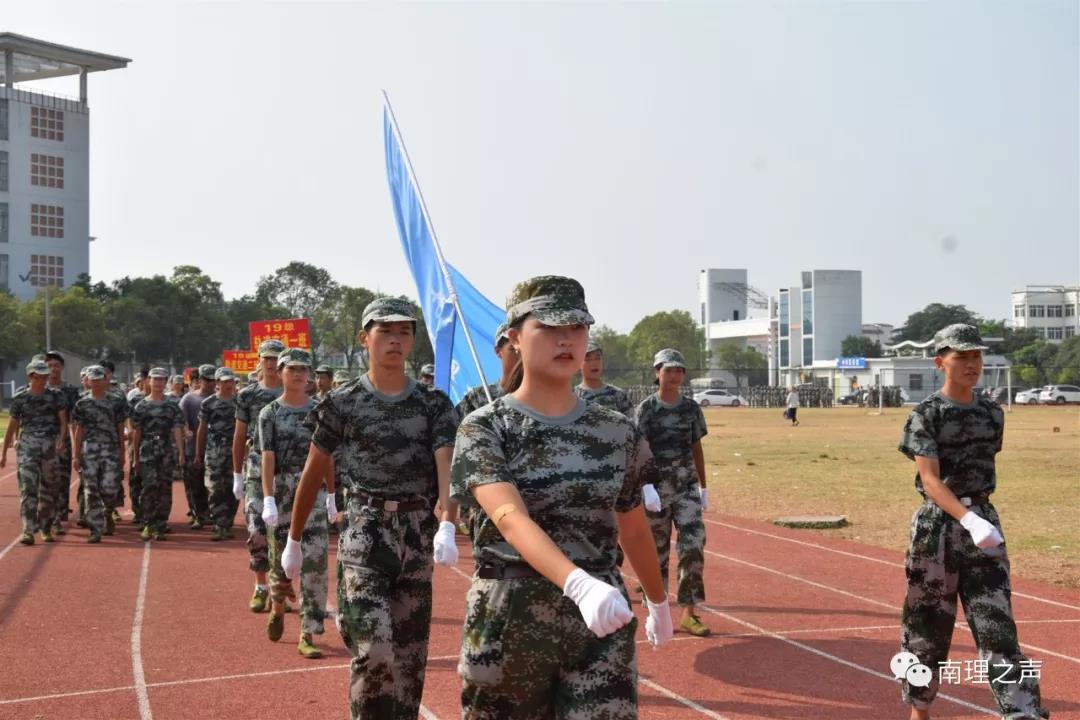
(658, 628)
(331, 508)
(292, 558)
(446, 552)
(238, 485)
(704, 497)
(603, 607)
(269, 512)
(651, 498)
(982, 532)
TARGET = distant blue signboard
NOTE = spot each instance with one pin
(851, 363)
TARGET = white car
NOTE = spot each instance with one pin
(705, 398)
(1060, 394)
(1028, 397)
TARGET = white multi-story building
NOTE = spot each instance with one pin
(44, 165)
(1050, 310)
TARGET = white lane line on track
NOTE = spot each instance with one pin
(16, 540)
(862, 598)
(822, 653)
(868, 558)
(141, 693)
(679, 698)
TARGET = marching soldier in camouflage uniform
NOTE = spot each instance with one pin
(393, 438)
(427, 375)
(341, 377)
(324, 382)
(594, 389)
(476, 398)
(39, 419)
(202, 387)
(134, 397)
(555, 483)
(159, 436)
(247, 482)
(55, 361)
(97, 452)
(673, 425)
(285, 437)
(957, 546)
(176, 388)
(217, 423)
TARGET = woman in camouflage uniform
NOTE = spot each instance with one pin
(159, 436)
(39, 419)
(284, 437)
(217, 421)
(673, 425)
(554, 480)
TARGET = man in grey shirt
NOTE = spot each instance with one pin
(202, 387)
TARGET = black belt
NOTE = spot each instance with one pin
(521, 570)
(389, 505)
(969, 500)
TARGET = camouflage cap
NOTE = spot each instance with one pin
(500, 334)
(271, 348)
(224, 374)
(37, 367)
(294, 357)
(54, 355)
(324, 370)
(388, 309)
(94, 372)
(593, 346)
(958, 337)
(428, 369)
(176, 380)
(551, 299)
(253, 376)
(206, 372)
(669, 357)
(160, 373)
(341, 377)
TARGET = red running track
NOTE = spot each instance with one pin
(804, 627)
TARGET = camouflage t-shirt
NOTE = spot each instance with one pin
(573, 472)
(607, 395)
(220, 418)
(671, 430)
(963, 438)
(387, 443)
(157, 419)
(38, 415)
(249, 403)
(284, 432)
(475, 399)
(98, 419)
(120, 403)
(70, 393)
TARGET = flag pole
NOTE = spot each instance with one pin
(438, 248)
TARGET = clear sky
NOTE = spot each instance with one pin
(932, 145)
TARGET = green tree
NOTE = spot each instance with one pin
(16, 340)
(619, 368)
(244, 310)
(1067, 362)
(672, 329)
(743, 363)
(1035, 363)
(301, 289)
(77, 322)
(422, 352)
(340, 320)
(1012, 338)
(922, 325)
(860, 346)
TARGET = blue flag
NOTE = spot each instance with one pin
(455, 370)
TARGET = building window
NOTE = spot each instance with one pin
(3, 119)
(1070, 331)
(46, 270)
(46, 221)
(1053, 333)
(1018, 311)
(914, 381)
(47, 123)
(808, 312)
(783, 353)
(1070, 310)
(1040, 333)
(47, 171)
(808, 351)
(3, 222)
(1038, 311)
(3, 171)
(1053, 311)
(3, 272)
(785, 315)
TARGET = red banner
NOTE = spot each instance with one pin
(241, 361)
(295, 333)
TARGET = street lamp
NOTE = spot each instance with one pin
(48, 329)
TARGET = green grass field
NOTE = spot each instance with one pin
(844, 461)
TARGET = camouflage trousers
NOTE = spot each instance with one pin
(135, 490)
(384, 608)
(257, 544)
(36, 460)
(100, 478)
(942, 564)
(63, 480)
(195, 490)
(157, 460)
(217, 478)
(527, 654)
(314, 544)
(680, 500)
